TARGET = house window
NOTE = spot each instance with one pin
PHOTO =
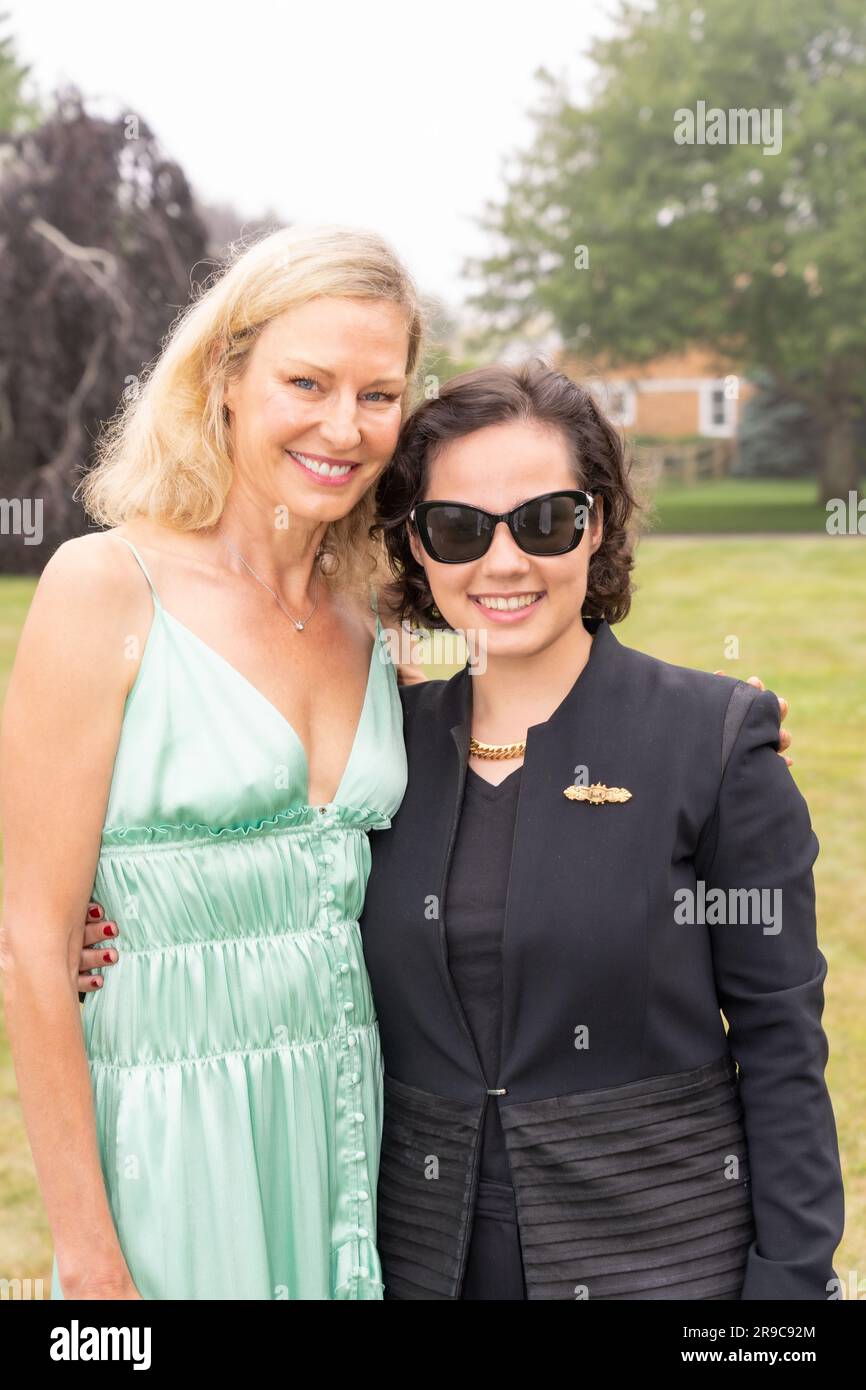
(619, 402)
(717, 410)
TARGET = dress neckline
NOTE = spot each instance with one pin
(160, 612)
(265, 702)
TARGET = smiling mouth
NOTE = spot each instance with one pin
(322, 467)
(506, 603)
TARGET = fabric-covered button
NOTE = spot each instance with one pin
(362, 1231)
(356, 1077)
(329, 896)
(343, 968)
(351, 1040)
(359, 1116)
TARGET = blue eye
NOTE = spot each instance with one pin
(306, 382)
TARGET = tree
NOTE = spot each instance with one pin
(225, 227)
(101, 240)
(632, 244)
(778, 438)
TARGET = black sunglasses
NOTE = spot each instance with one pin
(454, 533)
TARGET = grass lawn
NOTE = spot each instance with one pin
(797, 606)
(741, 505)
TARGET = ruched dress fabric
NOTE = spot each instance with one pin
(234, 1049)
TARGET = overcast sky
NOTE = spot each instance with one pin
(395, 115)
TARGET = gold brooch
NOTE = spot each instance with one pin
(597, 794)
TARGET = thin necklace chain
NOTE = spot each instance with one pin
(297, 623)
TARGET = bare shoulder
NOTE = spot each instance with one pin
(91, 595)
(98, 564)
(64, 709)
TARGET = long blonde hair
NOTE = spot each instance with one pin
(166, 454)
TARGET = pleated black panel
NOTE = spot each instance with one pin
(425, 1190)
(622, 1192)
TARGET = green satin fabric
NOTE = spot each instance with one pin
(233, 1049)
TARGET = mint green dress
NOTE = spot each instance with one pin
(233, 1049)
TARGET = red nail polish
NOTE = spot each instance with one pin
(107, 956)
(94, 912)
(108, 931)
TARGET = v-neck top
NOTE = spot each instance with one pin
(474, 922)
(234, 1048)
(219, 753)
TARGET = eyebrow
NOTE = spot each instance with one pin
(324, 371)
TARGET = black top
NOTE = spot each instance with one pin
(615, 994)
(474, 919)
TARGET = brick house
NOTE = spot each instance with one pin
(681, 395)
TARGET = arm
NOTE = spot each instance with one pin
(61, 726)
(769, 979)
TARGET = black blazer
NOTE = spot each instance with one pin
(653, 1154)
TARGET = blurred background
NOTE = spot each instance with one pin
(665, 198)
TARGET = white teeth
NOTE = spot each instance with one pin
(324, 470)
(507, 604)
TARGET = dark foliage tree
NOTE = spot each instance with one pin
(101, 244)
(778, 436)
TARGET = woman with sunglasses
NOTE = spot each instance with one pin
(576, 886)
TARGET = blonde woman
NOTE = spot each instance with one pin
(200, 732)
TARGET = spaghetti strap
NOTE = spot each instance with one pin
(374, 600)
(144, 569)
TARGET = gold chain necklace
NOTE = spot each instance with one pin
(499, 751)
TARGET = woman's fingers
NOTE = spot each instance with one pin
(96, 958)
(785, 742)
(88, 983)
(98, 950)
(784, 736)
(95, 932)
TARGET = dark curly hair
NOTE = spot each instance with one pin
(535, 392)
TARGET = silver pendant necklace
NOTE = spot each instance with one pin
(296, 622)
